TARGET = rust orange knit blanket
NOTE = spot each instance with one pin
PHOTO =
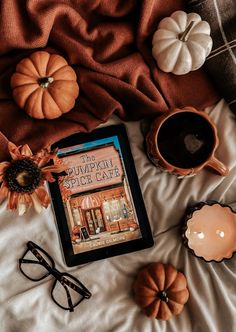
(108, 42)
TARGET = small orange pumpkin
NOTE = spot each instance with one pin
(44, 85)
(160, 290)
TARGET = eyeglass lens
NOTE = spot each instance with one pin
(64, 295)
(31, 266)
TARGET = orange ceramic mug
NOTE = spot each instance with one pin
(183, 141)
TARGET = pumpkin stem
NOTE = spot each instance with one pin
(184, 35)
(163, 296)
(45, 81)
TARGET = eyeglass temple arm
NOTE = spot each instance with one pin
(40, 258)
(82, 291)
(23, 260)
(68, 298)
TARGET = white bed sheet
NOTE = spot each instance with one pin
(27, 307)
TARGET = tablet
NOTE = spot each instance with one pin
(97, 202)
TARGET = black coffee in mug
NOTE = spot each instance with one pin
(186, 140)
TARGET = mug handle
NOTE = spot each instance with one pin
(218, 166)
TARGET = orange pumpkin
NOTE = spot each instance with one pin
(44, 85)
(160, 290)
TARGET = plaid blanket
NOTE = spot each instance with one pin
(221, 63)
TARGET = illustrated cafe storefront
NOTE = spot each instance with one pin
(104, 211)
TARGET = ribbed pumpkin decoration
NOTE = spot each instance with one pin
(181, 43)
(44, 85)
(160, 290)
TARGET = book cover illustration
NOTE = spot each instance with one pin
(96, 195)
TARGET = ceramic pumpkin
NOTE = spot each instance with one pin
(44, 85)
(181, 43)
(160, 290)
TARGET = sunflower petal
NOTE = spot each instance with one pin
(43, 156)
(36, 203)
(22, 208)
(48, 177)
(26, 151)
(54, 155)
(14, 151)
(3, 192)
(27, 199)
(3, 167)
(24, 203)
(43, 160)
(42, 196)
(54, 168)
(43, 152)
(13, 200)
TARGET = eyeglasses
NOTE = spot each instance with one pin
(67, 291)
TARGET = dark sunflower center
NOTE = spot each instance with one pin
(23, 176)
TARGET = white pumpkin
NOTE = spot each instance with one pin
(181, 43)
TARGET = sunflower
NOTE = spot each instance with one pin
(22, 179)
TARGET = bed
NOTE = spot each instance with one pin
(119, 83)
(27, 306)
